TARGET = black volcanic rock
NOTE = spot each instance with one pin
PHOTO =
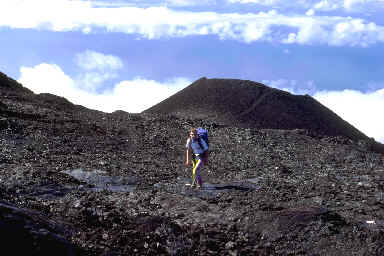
(56, 102)
(3, 106)
(75, 181)
(26, 232)
(8, 84)
(249, 104)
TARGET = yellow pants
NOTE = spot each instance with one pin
(196, 166)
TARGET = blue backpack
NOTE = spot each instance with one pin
(203, 134)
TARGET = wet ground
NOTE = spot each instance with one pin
(100, 181)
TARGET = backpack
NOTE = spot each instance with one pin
(203, 134)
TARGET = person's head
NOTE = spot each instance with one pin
(193, 133)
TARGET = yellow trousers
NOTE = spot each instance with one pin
(196, 166)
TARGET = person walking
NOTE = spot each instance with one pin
(197, 154)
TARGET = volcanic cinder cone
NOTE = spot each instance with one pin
(249, 104)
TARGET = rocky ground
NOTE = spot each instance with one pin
(82, 182)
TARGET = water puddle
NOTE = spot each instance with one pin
(100, 181)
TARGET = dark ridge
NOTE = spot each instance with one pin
(8, 84)
(248, 104)
(56, 102)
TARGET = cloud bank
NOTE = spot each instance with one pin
(158, 22)
(362, 110)
(132, 96)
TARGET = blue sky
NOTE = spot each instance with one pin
(130, 55)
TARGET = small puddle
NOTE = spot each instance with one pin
(100, 181)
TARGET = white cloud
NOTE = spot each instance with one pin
(46, 78)
(189, 2)
(310, 12)
(132, 96)
(259, 2)
(353, 30)
(91, 60)
(361, 6)
(92, 81)
(157, 22)
(328, 5)
(143, 93)
(362, 110)
(347, 5)
(97, 67)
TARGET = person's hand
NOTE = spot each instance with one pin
(187, 163)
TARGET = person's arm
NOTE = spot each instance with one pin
(188, 152)
(188, 161)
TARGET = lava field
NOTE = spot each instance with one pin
(75, 181)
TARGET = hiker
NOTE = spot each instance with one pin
(199, 155)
